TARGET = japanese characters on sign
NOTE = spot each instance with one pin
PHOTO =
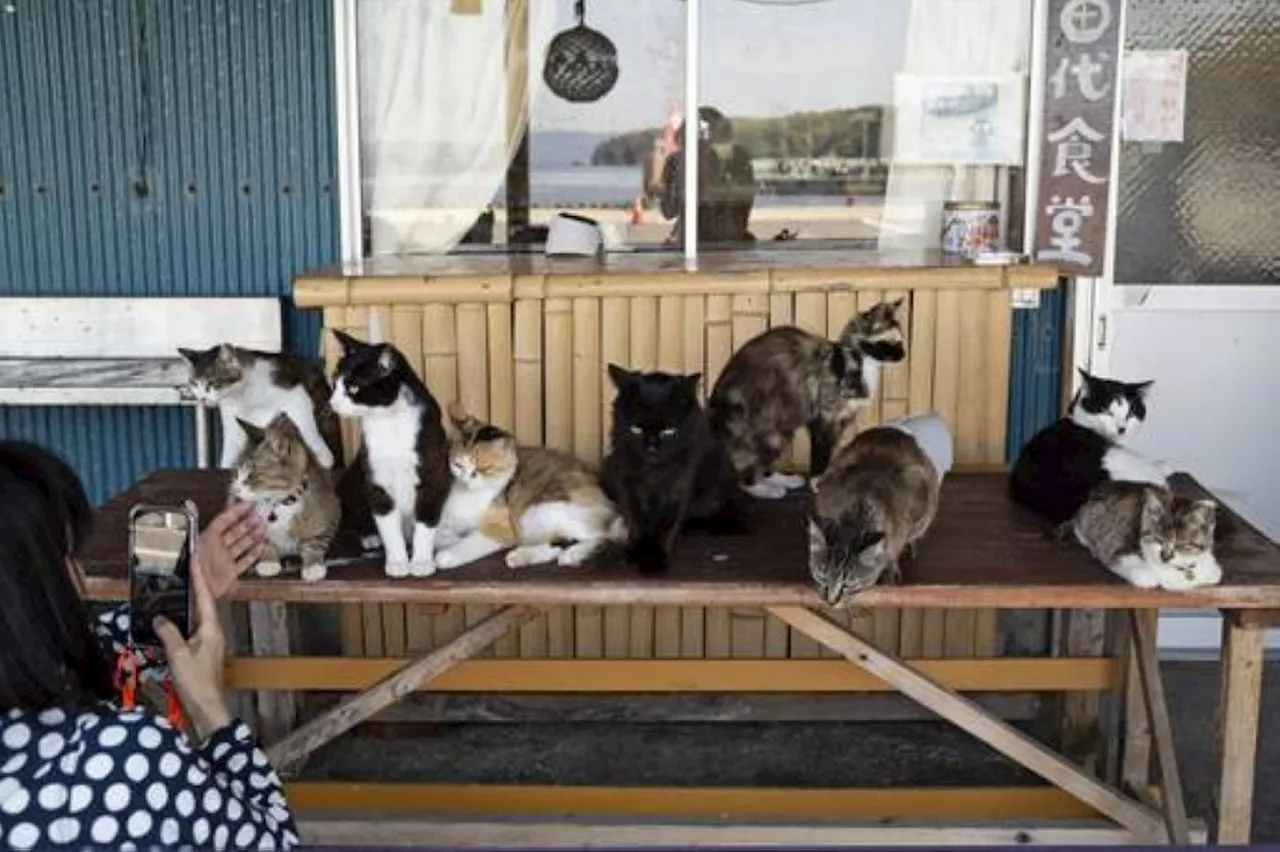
(1076, 146)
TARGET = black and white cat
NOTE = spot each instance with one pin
(1064, 461)
(252, 386)
(404, 453)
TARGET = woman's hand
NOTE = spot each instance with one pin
(230, 545)
(196, 663)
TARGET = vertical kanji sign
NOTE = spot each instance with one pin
(1076, 145)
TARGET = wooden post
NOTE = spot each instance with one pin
(1242, 644)
(269, 628)
(1171, 801)
(1136, 765)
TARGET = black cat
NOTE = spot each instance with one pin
(667, 471)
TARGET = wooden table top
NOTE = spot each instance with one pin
(982, 552)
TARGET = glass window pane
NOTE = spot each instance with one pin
(450, 163)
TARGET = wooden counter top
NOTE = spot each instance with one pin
(504, 277)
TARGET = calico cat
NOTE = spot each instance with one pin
(1147, 536)
(291, 492)
(786, 378)
(404, 454)
(547, 503)
(253, 387)
(667, 471)
(1063, 462)
(874, 502)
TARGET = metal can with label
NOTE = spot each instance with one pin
(970, 228)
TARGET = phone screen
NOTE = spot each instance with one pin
(159, 572)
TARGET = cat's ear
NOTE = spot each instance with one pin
(1141, 389)
(386, 360)
(346, 341)
(188, 355)
(283, 423)
(227, 353)
(254, 433)
(1203, 513)
(689, 383)
(896, 304)
(621, 378)
(464, 421)
(1153, 506)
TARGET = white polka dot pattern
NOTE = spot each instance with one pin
(127, 780)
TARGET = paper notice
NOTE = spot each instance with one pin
(1154, 100)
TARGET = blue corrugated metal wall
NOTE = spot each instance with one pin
(161, 148)
(1036, 368)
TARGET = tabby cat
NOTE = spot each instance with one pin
(546, 503)
(786, 378)
(1147, 536)
(404, 453)
(874, 502)
(666, 471)
(291, 491)
(1063, 462)
(253, 387)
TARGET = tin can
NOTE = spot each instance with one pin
(970, 228)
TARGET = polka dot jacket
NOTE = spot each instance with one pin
(126, 779)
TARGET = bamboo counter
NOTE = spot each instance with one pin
(523, 340)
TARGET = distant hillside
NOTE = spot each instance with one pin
(835, 133)
(562, 149)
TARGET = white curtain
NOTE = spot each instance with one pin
(951, 37)
(433, 115)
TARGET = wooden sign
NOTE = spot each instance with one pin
(1076, 138)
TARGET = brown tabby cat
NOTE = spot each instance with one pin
(875, 501)
(786, 378)
(548, 504)
(1147, 536)
(291, 491)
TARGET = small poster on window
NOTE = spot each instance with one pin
(1155, 95)
(959, 120)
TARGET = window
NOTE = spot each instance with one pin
(812, 122)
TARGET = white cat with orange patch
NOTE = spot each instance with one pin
(545, 504)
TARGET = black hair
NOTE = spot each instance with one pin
(49, 655)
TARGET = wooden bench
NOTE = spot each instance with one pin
(121, 351)
(982, 552)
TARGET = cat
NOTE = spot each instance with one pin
(877, 498)
(786, 378)
(1062, 463)
(280, 475)
(404, 453)
(253, 387)
(666, 471)
(1147, 536)
(548, 504)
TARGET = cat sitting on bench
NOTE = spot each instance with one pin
(253, 387)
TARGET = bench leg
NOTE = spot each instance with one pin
(1171, 800)
(1136, 771)
(1242, 646)
(202, 436)
(277, 709)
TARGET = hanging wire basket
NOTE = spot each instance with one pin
(582, 64)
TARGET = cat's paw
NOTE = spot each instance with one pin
(397, 568)
(789, 481)
(370, 543)
(423, 566)
(1144, 578)
(1175, 579)
(314, 573)
(267, 568)
(449, 557)
(576, 554)
(765, 489)
(324, 457)
(537, 554)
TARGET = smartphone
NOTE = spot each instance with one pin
(161, 541)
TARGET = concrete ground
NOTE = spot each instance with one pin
(781, 754)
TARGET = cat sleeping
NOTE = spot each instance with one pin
(404, 453)
(253, 387)
(786, 378)
(291, 492)
(547, 504)
(1147, 536)
(876, 500)
(666, 472)
(1063, 462)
